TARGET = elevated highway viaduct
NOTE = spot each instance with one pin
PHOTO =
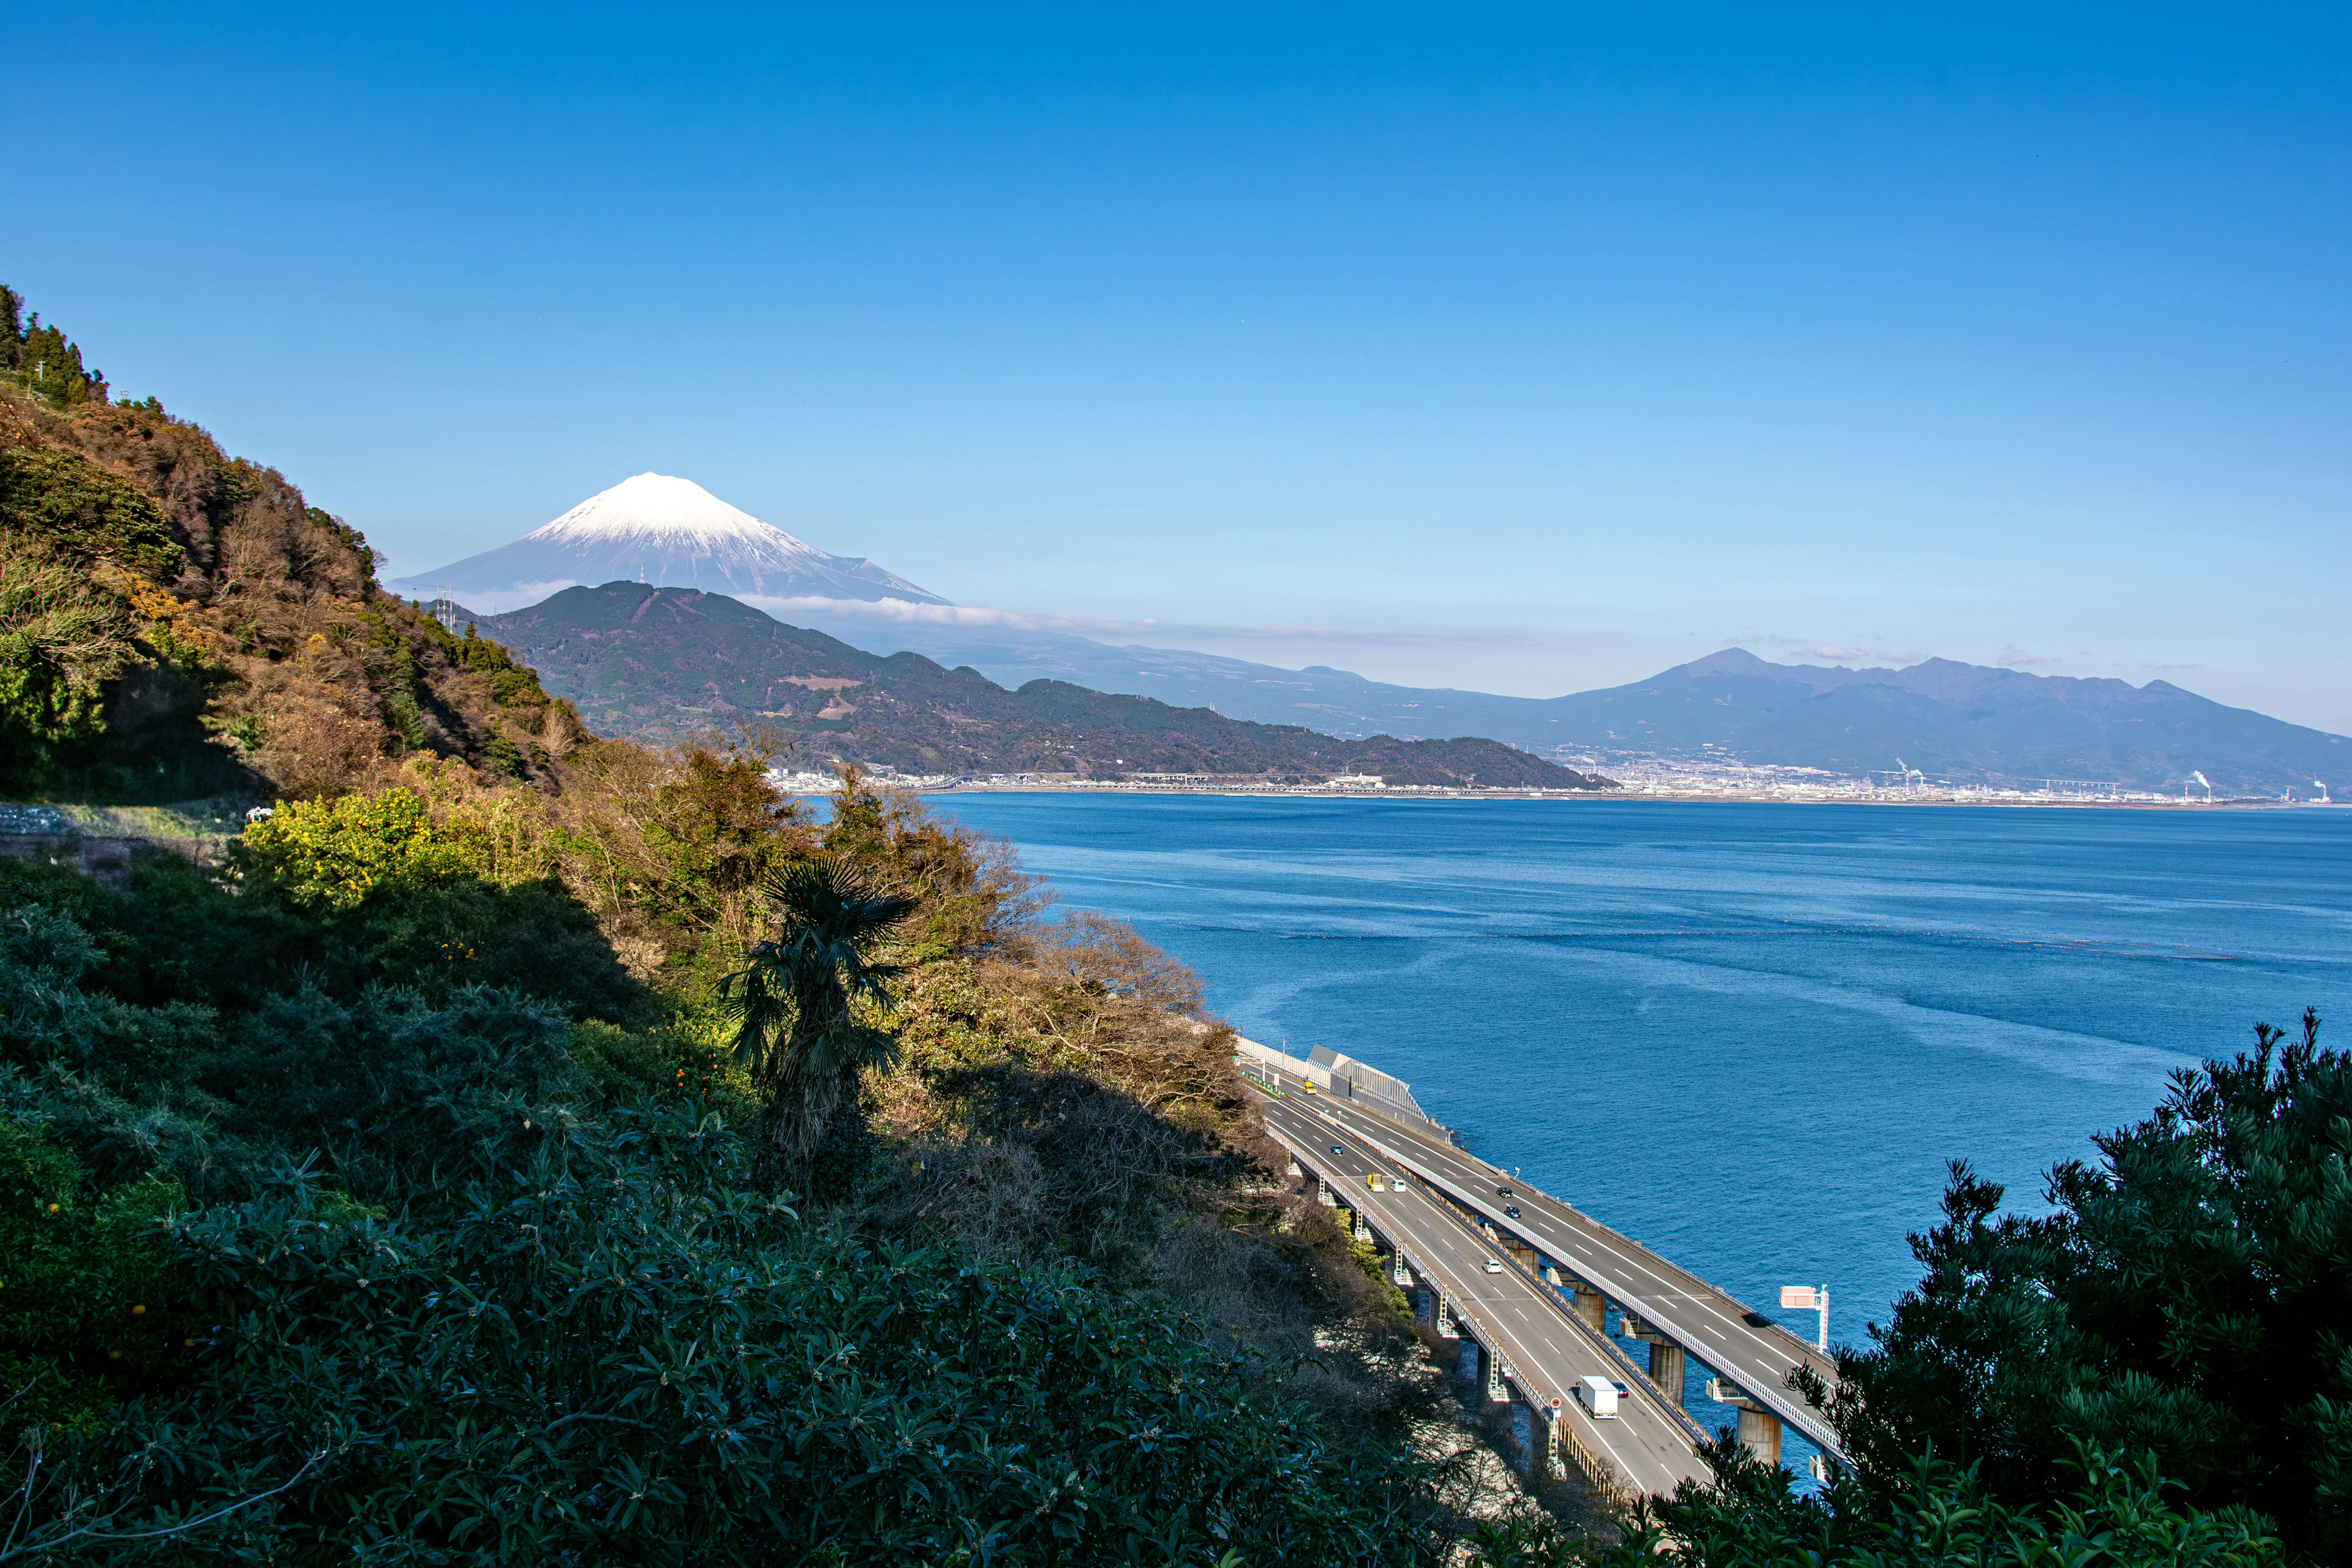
(1533, 1347)
(1675, 1311)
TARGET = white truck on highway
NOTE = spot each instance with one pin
(1598, 1397)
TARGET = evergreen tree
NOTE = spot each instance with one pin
(49, 361)
(2188, 1299)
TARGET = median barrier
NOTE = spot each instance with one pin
(1599, 1471)
(1795, 1412)
(1668, 1403)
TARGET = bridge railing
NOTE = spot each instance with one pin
(1780, 1401)
(1668, 1403)
(1545, 1404)
(1801, 1348)
(1804, 1349)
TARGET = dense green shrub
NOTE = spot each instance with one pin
(532, 938)
(2186, 1299)
(334, 854)
(677, 1060)
(83, 512)
(2110, 1515)
(396, 1093)
(176, 935)
(91, 1300)
(183, 936)
(62, 639)
(397, 895)
(457, 1272)
(48, 1017)
(619, 1352)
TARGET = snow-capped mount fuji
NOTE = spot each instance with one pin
(664, 531)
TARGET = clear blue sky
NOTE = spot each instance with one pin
(1530, 351)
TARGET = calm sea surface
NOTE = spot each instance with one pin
(1751, 1036)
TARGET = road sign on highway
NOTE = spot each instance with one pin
(1811, 1299)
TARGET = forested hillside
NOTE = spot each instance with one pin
(658, 663)
(176, 623)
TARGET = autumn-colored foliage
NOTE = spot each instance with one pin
(177, 622)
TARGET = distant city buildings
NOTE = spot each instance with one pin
(1637, 774)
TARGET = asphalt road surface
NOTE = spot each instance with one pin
(1709, 1325)
(1518, 1319)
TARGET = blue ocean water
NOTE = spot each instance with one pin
(1749, 1036)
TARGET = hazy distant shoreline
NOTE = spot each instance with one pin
(1575, 797)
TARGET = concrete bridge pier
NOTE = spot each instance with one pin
(1535, 1437)
(1524, 1422)
(1444, 1318)
(1470, 1362)
(1759, 1432)
(1497, 1369)
(1543, 1443)
(1294, 1170)
(1667, 1367)
(1759, 1429)
(1362, 1229)
(1470, 1357)
(1400, 1271)
(1593, 1308)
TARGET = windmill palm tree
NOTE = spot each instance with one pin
(803, 981)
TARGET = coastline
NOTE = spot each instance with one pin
(1740, 798)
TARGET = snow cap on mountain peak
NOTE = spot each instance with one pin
(664, 508)
(668, 532)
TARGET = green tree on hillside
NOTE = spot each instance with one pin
(61, 640)
(2185, 1301)
(821, 961)
(48, 361)
(332, 854)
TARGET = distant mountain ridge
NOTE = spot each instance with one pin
(658, 528)
(1965, 721)
(1969, 722)
(657, 663)
(1961, 720)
